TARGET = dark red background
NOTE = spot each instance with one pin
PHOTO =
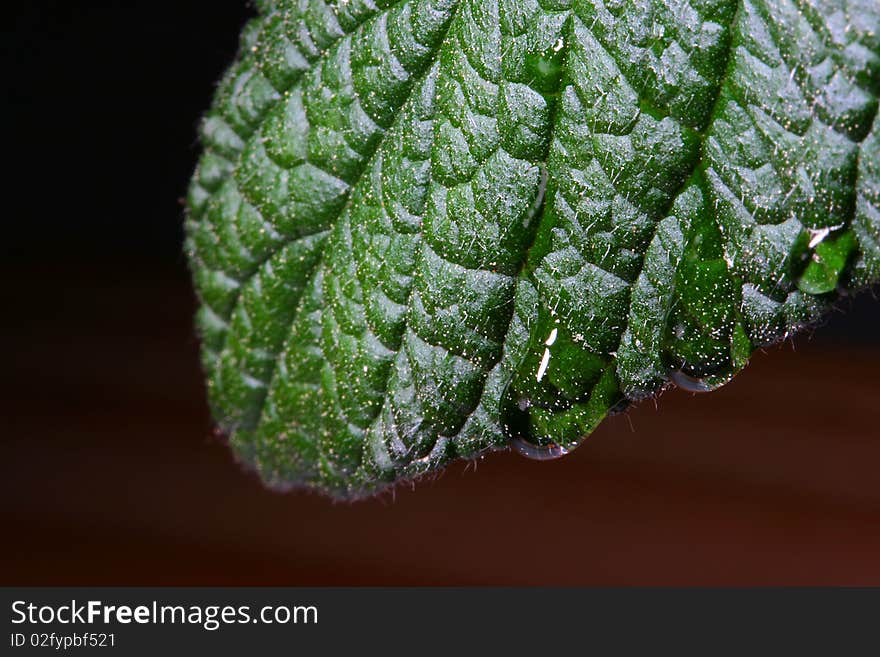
(110, 473)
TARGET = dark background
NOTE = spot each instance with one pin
(110, 473)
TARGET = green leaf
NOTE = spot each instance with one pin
(425, 229)
(828, 259)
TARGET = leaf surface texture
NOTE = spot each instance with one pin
(420, 230)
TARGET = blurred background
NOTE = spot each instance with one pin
(111, 473)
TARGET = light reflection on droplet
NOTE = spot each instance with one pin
(542, 368)
(817, 236)
(691, 383)
(538, 452)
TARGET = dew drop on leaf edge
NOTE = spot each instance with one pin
(517, 426)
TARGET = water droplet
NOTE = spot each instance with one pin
(826, 257)
(688, 382)
(546, 67)
(558, 393)
(538, 452)
(519, 427)
(700, 384)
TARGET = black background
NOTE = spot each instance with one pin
(103, 101)
(111, 475)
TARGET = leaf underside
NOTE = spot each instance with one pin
(424, 229)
